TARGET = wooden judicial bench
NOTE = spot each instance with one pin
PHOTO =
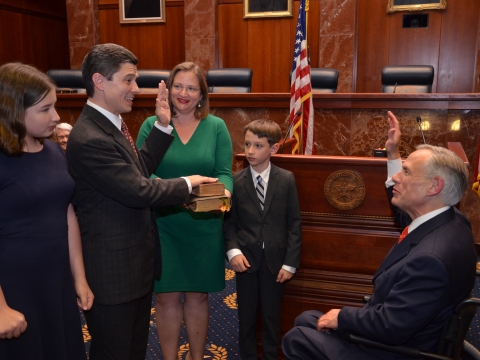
(348, 225)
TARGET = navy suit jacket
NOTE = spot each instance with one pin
(114, 196)
(279, 225)
(417, 286)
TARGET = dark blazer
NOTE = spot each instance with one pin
(278, 225)
(417, 286)
(113, 198)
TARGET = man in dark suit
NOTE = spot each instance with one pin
(421, 280)
(262, 239)
(114, 194)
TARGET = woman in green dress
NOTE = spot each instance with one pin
(193, 253)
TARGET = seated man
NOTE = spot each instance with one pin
(424, 276)
(62, 132)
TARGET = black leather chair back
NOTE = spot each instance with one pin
(454, 332)
(407, 78)
(229, 80)
(68, 79)
(324, 80)
(150, 78)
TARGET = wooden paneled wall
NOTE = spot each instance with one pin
(449, 44)
(34, 33)
(266, 45)
(157, 45)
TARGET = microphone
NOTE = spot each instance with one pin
(395, 88)
(419, 120)
(297, 115)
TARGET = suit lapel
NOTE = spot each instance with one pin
(106, 125)
(250, 188)
(399, 251)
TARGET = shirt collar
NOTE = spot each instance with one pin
(265, 174)
(424, 218)
(116, 120)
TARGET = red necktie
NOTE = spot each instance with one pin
(127, 135)
(403, 235)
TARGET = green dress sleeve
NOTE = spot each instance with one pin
(145, 129)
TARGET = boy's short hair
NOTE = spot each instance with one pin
(265, 128)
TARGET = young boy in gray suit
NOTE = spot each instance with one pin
(263, 237)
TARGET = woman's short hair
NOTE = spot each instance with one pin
(202, 111)
(447, 165)
(21, 86)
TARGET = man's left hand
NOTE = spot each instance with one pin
(328, 321)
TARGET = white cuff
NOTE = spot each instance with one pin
(232, 253)
(167, 130)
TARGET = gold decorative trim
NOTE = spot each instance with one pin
(391, 7)
(249, 13)
(217, 352)
(344, 189)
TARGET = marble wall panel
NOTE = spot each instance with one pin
(336, 51)
(332, 132)
(200, 51)
(370, 128)
(200, 34)
(336, 40)
(83, 29)
(337, 17)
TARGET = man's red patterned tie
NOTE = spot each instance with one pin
(127, 135)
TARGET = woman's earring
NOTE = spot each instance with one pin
(199, 104)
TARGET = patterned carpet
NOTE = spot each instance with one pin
(473, 335)
(222, 341)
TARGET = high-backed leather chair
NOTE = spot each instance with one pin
(451, 342)
(229, 80)
(68, 80)
(407, 79)
(324, 80)
(150, 78)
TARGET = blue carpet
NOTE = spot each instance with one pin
(473, 335)
(222, 340)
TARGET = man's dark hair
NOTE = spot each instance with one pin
(105, 59)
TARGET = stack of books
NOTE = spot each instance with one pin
(209, 197)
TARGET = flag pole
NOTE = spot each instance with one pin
(301, 152)
(307, 5)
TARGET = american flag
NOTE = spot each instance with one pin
(301, 90)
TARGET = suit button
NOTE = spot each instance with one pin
(264, 224)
